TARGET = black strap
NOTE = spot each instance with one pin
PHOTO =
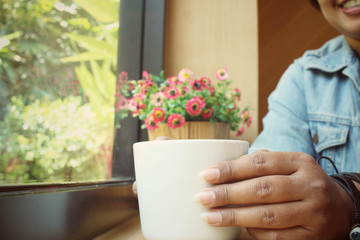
(345, 180)
(331, 161)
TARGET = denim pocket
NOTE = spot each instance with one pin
(329, 139)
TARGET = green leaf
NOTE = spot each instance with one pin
(109, 78)
(11, 74)
(94, 45)
(80, 22)
(90, 87)
(231, 106)
(12, 36)
(104, 10)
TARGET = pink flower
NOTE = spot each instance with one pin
(150, 123)
(212, 90)
(138, 98)
(197, 85)
(237, 94)
(240, 132)
(158, 114)
(148, 80)
(185, 75)
(146, 77)
(222, 74)
(206, 114)
(174, 80)
(246, 118)
(176, 120)
(158, 99)
(249, 122)
(136, 103)
(171, 92)
(121, 104)
(195, 105)
(123, 77)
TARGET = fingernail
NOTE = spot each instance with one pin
(210, 175)
(205, 197)
(211, 218)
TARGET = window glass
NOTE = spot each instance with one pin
(57, 89)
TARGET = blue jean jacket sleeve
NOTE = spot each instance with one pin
(286, 126)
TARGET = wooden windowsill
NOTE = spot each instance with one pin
(130, 230)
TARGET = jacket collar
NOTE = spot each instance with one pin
(335, 55)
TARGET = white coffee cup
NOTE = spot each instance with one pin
(167, 181)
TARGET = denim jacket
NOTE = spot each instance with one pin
(315, 108)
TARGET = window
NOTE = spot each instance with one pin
(58, 77)
(80, 207)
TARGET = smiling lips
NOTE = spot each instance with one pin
(351, 7)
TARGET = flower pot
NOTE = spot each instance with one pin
(192, 130)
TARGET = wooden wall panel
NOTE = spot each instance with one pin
(205, 35)
(286, 30)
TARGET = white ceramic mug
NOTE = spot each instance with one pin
(167, 181)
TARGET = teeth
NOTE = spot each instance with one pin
(352, 3)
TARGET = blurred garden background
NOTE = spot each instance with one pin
(57, 88)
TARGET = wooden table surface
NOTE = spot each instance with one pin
(130, 230)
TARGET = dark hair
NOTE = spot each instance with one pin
(315, 4)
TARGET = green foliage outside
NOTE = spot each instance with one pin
(32, 40)
(51, 141)
(97, 68)
(57, 85)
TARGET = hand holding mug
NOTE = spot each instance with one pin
(283, 196)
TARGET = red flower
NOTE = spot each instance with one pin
(176, 120)
(171, 92)
(195, 105)
(240, 132)
(158, 114)
(137, 109)
(206, 114)
(197, 85)
(212, 90)
(205, 81)
(232, 109)
(151, 123)
(249, 122)
(237, 94)
(131, 86)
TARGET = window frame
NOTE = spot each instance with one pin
(86, 210)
